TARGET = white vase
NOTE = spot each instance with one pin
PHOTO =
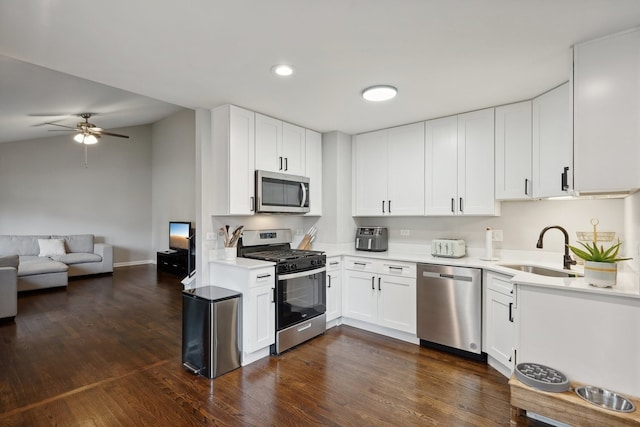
(230, 253)
(600, 274)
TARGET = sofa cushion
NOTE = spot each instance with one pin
(77, 258)
(20, 245)
(77, 242)
(9, 261)
(49, 247)
(39, 265)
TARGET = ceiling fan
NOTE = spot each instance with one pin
(88, 133)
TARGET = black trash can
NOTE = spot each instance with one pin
(211, 325)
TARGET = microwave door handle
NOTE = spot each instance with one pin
(304, 194)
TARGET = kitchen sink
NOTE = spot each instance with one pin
(542, 271)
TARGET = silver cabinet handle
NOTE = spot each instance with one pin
(389, 206)
(526, 186)
(373, 286)
(379, 280)
(461, 209)
(329, 277)
(453, 207)
(280, 159)
(286, 164)
(383, 206)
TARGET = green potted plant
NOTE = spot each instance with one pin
(600, 265)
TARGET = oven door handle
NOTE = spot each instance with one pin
(302, 274)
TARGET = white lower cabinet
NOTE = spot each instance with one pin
(499, 326)
(380, 293)
(334, 288)
(258, 306)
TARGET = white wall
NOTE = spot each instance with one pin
(632, 230)
(521, 223)
(45, 188)
(173, 175)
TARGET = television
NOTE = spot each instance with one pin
(179, 235)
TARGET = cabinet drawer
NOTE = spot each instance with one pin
(334, 263)
(361, 264)
(500, 283)
(264, 276)
(403, 269)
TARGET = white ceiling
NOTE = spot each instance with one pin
(444, 56)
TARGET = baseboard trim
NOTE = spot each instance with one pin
(130, 263)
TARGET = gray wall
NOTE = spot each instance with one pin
(45, 188)
(126, 195)
(173, 161)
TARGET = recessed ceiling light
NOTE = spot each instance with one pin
(282, 70)
(379, 93)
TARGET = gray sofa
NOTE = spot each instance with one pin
(47, 261)
(8, 287)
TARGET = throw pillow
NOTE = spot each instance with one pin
(50, 247)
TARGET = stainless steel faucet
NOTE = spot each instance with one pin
(567, 260)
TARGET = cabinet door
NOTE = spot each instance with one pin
(360, 296)
(513, 151)
(552, 143)
(313, 153)
(500, 338)
(441, 167)
(268, 141)
(476, 174)
(233, 161)
(370, 173)
(405, 174)
(292, 149)
(334, 295)
(606, 110)
(262, 318)
(397, 302)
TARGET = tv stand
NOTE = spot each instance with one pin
(174, 262)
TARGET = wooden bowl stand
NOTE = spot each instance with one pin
(566, 407)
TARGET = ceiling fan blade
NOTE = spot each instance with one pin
(62, 126)
(111, 134)
(96, 129)
(63, 130)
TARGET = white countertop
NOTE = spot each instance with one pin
(628, 283)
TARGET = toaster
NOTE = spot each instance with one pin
(374, 239)
(448, 248)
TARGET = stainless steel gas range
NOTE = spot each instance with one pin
(300, 293)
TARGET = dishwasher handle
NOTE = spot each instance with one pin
(446, 276)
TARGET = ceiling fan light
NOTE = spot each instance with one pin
(379, 93)
(79, 138)
(90, 139)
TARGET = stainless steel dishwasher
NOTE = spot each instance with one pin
(450, 309)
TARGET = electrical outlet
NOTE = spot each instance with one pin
(405, 232)
(210, 235)
(497, 235)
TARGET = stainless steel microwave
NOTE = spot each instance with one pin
(281, 193)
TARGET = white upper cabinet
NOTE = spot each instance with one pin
(389, 171)
(606, 110)
(370, 173)
(459, 153)
(441, 166)
(280, 146)
(233, 161)
(513, 151)
(552, 143)
(313, 152)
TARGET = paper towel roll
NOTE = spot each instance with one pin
(488, 244)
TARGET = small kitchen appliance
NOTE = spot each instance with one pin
(374, 239)
(448, 248)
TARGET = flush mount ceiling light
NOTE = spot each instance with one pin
(379, 93)
(282, 70)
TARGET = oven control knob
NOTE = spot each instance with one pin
(292, 267)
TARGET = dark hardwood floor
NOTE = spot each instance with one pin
(106, 351)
